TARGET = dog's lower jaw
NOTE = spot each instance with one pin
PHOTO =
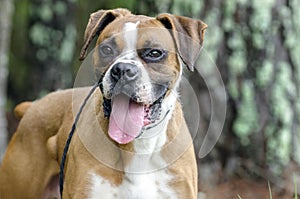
(128, 117)
(153, 139)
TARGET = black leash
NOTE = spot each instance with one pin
(67, 145)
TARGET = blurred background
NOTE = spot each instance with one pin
(255, 45)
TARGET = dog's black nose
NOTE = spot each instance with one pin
(128, 72)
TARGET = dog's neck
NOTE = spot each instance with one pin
(147, 148)
(153, 136)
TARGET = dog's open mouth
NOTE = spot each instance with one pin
(127, 117)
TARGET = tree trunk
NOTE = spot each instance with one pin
(255, 45)
(6, 9)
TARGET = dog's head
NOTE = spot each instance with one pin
(138, 60)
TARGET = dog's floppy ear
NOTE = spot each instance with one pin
(188, 35)
(97, 22)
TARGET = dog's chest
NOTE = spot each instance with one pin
(134, 186)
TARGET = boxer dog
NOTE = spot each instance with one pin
(131, 139)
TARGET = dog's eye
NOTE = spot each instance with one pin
(153, 55)
(106, 50)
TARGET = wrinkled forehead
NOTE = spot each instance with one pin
(138, 32)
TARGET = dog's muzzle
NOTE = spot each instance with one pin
(124, 79)
(127, 109)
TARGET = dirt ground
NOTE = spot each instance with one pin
(244, 189)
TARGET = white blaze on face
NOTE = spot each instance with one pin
(130, 32)
(130, 35)
(129, 55)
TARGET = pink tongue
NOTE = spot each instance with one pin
(126, 120)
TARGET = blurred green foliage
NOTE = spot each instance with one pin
(256, 47)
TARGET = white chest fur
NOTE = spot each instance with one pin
(145, 177)
(135, 186)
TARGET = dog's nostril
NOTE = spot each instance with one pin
(131, 73)
(128, 72)
(116, 72)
